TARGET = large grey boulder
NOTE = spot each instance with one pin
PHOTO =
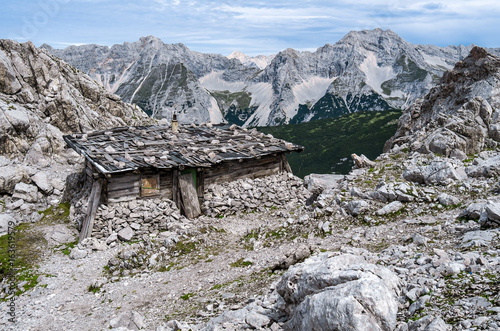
(448, 200)
(488, 167)
(322, 181)
(339, 293)
(438, 172)
(357, 207)
(126, 233)
(60, 234)
(390, 208)
(478, 238)
(43, 181)
(429, 323)
(27, 192)
(473, 211)
(10, 175)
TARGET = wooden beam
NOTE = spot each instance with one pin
(175, 188)
(189, 196)
(286, 165)
(94, 202)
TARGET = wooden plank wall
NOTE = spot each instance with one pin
(233, 170)
(127, 186)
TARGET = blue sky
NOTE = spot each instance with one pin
(253, 27)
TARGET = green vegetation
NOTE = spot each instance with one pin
(410, 73)
(26, 253)
(66, 248)
(56, 215)
(187, 296)
(28, 245)
(241, 263)
(94, 288)
(184, 247)
(329, 143)
(235, 105)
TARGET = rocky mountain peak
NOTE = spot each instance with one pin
(366, 70)
(370, 36)
(460, 115)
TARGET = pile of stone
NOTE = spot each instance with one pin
(133, 219)
(257, 194)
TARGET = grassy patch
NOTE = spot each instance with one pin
(66, 248)
(240, 263)
(94, 288)
(56, 215)
(182, 247)
(187, 296)
(27, 250)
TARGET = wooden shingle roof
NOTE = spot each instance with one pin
(129, 148)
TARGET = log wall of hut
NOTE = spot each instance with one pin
(127, 186)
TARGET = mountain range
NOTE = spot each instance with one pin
(366, 70)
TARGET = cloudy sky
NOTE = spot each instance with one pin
(253, 27)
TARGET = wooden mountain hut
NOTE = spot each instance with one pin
(128, 163)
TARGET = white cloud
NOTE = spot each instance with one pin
(274, 15)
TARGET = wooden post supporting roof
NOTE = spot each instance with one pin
(94, 201)
(286, 165)
(189, 196)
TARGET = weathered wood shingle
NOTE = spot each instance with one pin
(130, 148)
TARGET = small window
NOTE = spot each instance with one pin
(150, 186)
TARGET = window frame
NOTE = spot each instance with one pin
(146, 191)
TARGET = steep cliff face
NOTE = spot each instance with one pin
(460, 115)
(42, 98)
(366, 70)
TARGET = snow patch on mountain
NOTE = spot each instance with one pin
(214, 82)
(262, 96)
(436, 61)
(376, 75)
(260, 61)
(311, 89)
(215, 113)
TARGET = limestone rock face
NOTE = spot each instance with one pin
(459, 115)
(41, 99)
(339, 293)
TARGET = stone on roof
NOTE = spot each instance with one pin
(129, 148)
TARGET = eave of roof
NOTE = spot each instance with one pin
(130, 148)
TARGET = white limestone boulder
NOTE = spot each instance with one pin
(339, 293)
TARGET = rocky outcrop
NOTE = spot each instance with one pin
(42, 98)
(339, 293)
(459, 116)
